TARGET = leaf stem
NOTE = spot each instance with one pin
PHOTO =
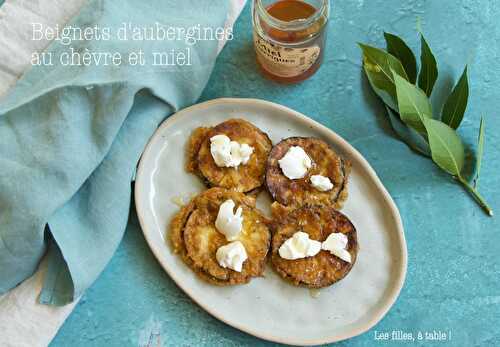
(479, 199)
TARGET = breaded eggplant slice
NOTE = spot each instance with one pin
(300, 192)
(245, 177)
(195, 238)
(324, 268)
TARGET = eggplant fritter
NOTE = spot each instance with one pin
(300, 192)
(324, 268)
(245, 177)
(195, 238)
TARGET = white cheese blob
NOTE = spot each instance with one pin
(232, 256)
(227, 153)
(295, 163)
(336, 243)
(299, 246)
(321, 183)
(220, 148)
(244, 152)
(228, 222)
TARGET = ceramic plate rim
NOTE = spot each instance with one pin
(332, 136)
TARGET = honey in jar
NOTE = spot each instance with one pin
(289, 37)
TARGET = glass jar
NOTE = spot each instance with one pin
(289, 37)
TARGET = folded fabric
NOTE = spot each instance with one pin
(70, 137)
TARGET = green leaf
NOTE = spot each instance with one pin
(398, 48)
(446, 147)
(378, 66)
(414, 106)
(429, 72)
(412, 138)
(454, 108)
(479, 153)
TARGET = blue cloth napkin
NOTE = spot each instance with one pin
(71, 136)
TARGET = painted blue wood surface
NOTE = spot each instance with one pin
(453, 281)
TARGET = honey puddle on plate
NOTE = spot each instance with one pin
(181, 200)
(314, 293)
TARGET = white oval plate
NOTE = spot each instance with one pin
(269, 307)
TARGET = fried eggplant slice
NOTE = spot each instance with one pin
(300, 192)
(195, 238)
(324, 268)
(245, 177)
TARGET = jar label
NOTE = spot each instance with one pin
(285, 61)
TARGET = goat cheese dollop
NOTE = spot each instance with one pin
(232, 256)
(227, 153)
(336, 244)
(295, 163)
(321, 183)
(229, 222)
(299, 246)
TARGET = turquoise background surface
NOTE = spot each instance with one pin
(453, 281)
